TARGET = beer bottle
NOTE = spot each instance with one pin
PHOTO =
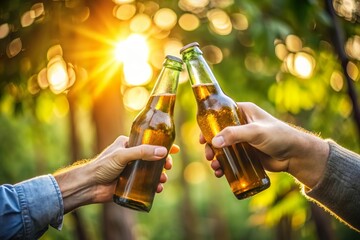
(240, 162)
(153, 125)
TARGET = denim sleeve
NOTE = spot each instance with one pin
(29, 207)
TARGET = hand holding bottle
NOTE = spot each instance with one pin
(240, 162)
(154, 125)
(87, 182)
(285, 148)
(105, 173)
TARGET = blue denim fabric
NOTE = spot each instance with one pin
(29, 207)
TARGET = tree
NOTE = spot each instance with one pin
(298, 60)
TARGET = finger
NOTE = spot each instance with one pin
(215, 165)
(144, 152)
(219, 173)
(163, 177)
(122, 140)
(209, 153)
(174, 149)
(202, 139)
(168, 163)
(252, 111)
(159, 188)
(235, 134)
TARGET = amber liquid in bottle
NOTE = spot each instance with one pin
(154, 125)
(240, 162)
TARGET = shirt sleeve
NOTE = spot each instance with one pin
(29, 207)
(339, 190)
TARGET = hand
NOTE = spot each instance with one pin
(283, 147)
(112, 161)
(95, 181)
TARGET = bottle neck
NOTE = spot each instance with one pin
(164, 92)
(198, 69)
(168, 79)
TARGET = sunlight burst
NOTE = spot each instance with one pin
(132, 49)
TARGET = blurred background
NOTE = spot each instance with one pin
(74, 74)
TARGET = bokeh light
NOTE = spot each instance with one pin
(4, 30)
(254, 63)
(347, 9)
(240, 21)
(32, 85)
(195, 173)
(293, 43)
(135, 98)
(303, 64)
(172, 47)
(353, 71)
(150, 8)
(212, 54)
(57, 74)
(27, 18)
(82, 15)
(345, 107)
(189, 22)
(352, 47)
(220, 22)
(157, 57)
(194, 6)
(123, 1)
(42, 78)
(14, 48)
(125, 11)
(38, 9)
(281, 51)
(336, 81)
(139, 73)
(54, 51)
(165, 18)
(140, 23)
(297, 60)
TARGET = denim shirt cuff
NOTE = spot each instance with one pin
(41, 204)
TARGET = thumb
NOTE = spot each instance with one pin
(144, 152)
(234, 134)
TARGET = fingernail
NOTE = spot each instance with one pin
(218, 141)
(160, 152)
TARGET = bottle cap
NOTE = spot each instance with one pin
(174, 58)
(193, 44)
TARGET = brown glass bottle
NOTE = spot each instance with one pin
(240, 162)
(154, 125)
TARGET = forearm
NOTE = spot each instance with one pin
(76, 186)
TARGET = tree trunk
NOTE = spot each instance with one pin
(284, 228)
(108, 110)
(189, 219)
(322, 222)
(337, 33)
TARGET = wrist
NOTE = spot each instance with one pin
(76, 185)
(309, 163)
